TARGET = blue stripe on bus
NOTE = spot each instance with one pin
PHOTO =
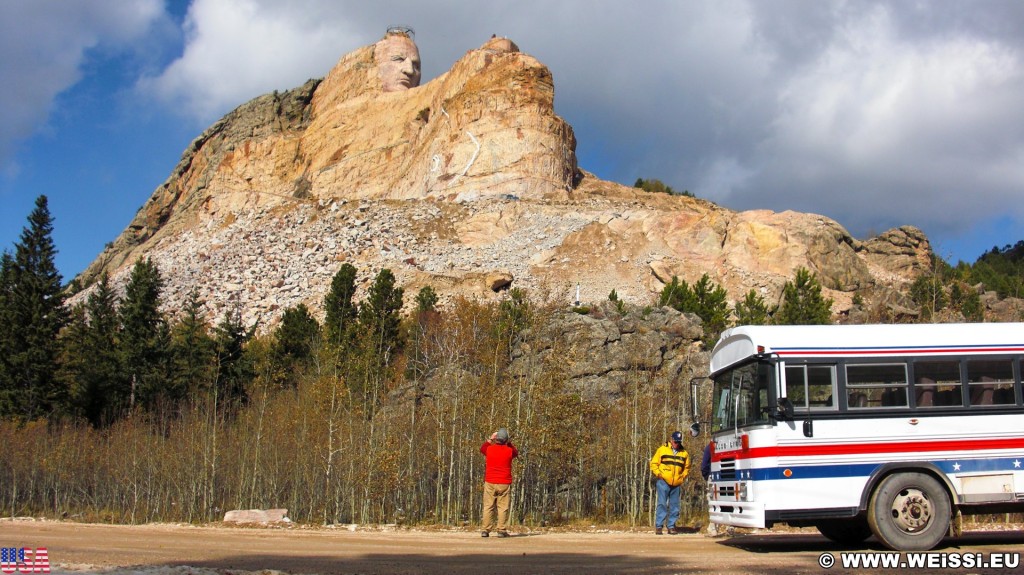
(944, 348)
(950, 467)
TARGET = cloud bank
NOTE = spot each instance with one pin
(873, 113)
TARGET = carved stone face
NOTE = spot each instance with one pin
(398, 63)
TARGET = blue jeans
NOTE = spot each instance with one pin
(668, 504)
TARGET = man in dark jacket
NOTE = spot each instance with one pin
(705, 462)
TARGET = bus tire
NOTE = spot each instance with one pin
(846, 531)
(909, 512)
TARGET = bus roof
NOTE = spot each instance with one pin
(873, 340)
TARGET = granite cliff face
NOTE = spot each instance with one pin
(469, 184)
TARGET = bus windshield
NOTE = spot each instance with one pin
(740, 397)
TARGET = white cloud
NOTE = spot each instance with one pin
(238, 49)
(879, 128)
(872, 112)
(44, 44)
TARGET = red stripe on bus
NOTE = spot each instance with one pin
(865, 448)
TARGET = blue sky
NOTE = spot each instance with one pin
(876, 114)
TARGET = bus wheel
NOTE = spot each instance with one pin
(845, 531)
(909, 512)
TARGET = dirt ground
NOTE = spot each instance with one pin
(164, 549)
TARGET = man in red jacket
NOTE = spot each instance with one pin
(499, 453)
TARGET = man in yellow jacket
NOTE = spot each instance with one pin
(671, 465)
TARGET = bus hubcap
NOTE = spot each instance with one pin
(911, 510)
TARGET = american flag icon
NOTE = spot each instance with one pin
(24, 560)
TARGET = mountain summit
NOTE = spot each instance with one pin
(468, 183)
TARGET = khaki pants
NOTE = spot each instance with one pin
(497, 496)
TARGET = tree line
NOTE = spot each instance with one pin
(115, 411)
(802, 304)
(949, 289)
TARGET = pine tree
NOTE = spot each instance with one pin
(965, 299)
(514, 317)
(379, 319)
(752, 310)
(677, 295)
(74, 362)
(339, 307)
(928, 291)
(426, 299)
(422, 325)
(296, 337)
(705, 299)
(7, 334)
(145, 337)
(193, 352)
(620, 305)
(32, 310)
(233, 371)
(711, 307)
(380, 340)
(91, 365)
(802, 302)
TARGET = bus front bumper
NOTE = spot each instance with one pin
(737, 513)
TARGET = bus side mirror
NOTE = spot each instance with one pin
(694, 429)
(785, 409)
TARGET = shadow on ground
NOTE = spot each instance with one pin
(985, 541)
(396, 563)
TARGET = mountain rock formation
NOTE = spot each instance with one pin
(468, 183)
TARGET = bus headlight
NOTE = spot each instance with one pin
(743, 491)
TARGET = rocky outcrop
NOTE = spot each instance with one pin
(605, 351)
(468, 184)
(177, 203)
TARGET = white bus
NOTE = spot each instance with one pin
(891, 430)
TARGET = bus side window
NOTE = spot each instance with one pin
(796, 386)
(991, 382)
(811, 387)
(821, 387)
(937, 384)
(883, 384)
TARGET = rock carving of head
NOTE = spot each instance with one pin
(398, 62)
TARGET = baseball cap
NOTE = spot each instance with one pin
(677, 436)
(502, 435)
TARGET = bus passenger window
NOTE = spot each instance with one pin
(990, 382)
(796, 386)
(811, 387)
(883, 384)
(937, 383)
(820, 387)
